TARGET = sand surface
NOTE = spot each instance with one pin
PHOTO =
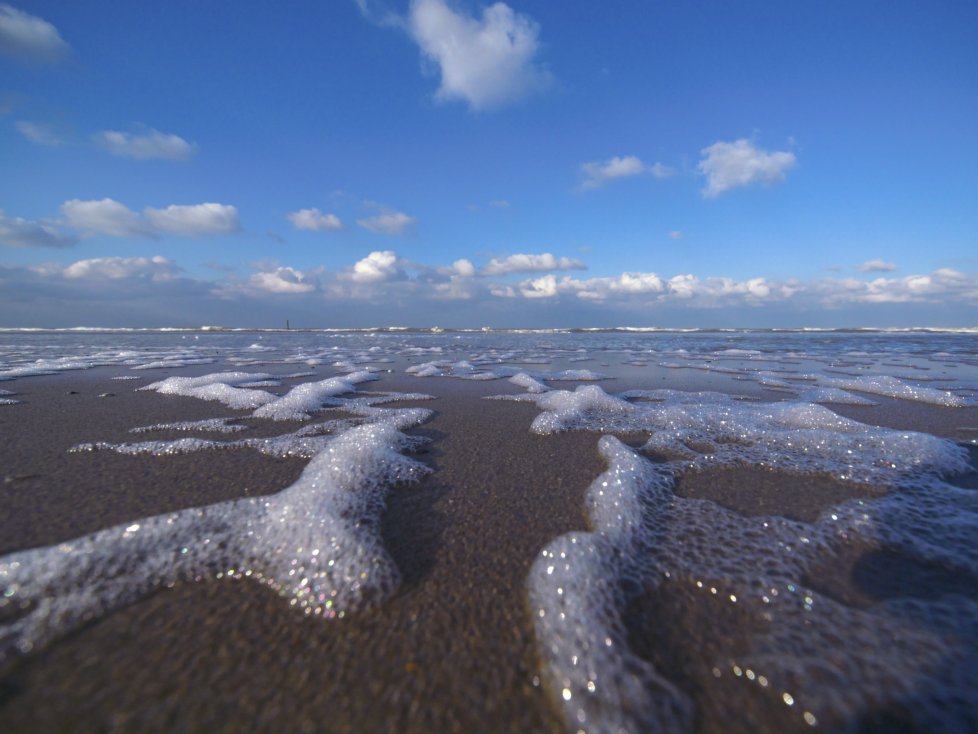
(453, 650)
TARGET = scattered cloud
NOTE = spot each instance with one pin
(38, 132)
(387, 222)
(675, 235)
(194, 219)
(157, 287)
(531, 264)
(499, 204)
(282, 280)
(147, 143)
(943, 284)
(598, 173)
(876, 266)
(29, 38)
(660, 170)
(103, 216)
(156, 269)
(543, 287)
(488, 62)
(17, 232)
(314, 220)
(460, 268)
(109, 217)
(732, 165)
(377, 267)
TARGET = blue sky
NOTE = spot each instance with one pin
(455, 163)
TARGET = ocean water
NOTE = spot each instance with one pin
(765, 636)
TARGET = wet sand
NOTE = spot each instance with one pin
(453, 650)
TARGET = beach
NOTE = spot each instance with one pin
(457, 645)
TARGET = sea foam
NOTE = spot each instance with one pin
(645, 536)
(316, 542)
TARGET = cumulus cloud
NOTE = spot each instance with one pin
(194, 219)
(39, 133)
(314, 220)
(29, 38)
(17, 232)
(156, 269)
(544, 287)
(877, 265)
(377, 267)
(944, 284)
(387, 222)
(732, 165)
(460, 269)
(148, 143)
(488, 62)
(103, 216)
(647, 289)
(282, 280)
(531, 264)
(109, 217)
(598, 173)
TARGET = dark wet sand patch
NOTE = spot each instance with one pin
(453, 650)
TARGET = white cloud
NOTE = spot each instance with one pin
(282, 280)
(107, 216)
(28, 37)
(103, 216)
(545, 287)
(17, 232)
(531, 264)
(499, 204)
(387, 222)
(194, 219)
(376, 267)
(675, 235)
(943, 284)
(487, 61)
(660, 170)
(39, 133)
(156, 269)
(732, 165)
(463, 268)
(148, 143)
(650, 288)
(314, 220)
(598, 173)
(876, 266)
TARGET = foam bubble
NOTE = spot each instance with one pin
(316, 543)
(644, 536)
(310, 396)
(894, 388)
(220, 386)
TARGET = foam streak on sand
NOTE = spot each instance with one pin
(823, 660)
(316, 543)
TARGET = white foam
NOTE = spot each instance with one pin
(528, 383)
(215, 425)
(833, 395)
(9, 401)
(220, 386)
(643, 535)
(895, 388)
(316, 543)
(310, 396)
